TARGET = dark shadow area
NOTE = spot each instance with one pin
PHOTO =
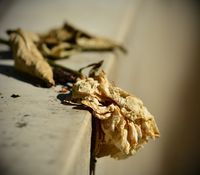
(3, 169)
(182, 153)
(6, 55)
(83, 108)
(65, 99)
(11, 72)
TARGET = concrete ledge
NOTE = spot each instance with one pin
(38, 135)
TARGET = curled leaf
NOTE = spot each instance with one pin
(63, 75)
(65, 41)
(123, 123)
(59, 51)
(94, 68)
(27, 57)
(87, 41)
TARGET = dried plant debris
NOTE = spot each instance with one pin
(94, 68)
(123, 123)
(68, 40)
(28, 58)
(35, 54)
(15, 96)
(21, 124)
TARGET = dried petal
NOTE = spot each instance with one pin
(123, 123)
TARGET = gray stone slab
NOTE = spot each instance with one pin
(39, 135)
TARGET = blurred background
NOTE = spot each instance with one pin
(162, 67)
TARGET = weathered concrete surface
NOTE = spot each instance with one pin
(38, 135)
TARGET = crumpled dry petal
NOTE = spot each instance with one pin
(123, 123)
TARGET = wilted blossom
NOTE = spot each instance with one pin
(123, 123)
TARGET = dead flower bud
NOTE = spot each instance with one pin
(123, 123)
(27, 57)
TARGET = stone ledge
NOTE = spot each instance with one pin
(38, 135)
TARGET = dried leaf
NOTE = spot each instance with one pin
(27, 57)
(94, 68)
(57, 35)
(88, 41)
(123, 123)
(68, 40)
(59, 51)
(97, 44)
(63, 75)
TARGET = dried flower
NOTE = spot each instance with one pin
(123, 123)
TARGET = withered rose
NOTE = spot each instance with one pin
(123, 123)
